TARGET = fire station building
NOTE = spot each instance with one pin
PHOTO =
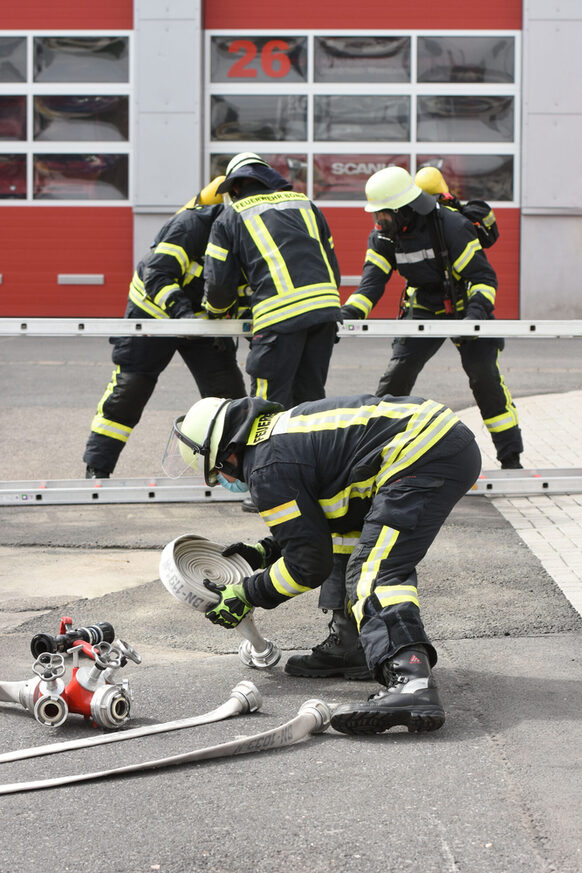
(115, 113)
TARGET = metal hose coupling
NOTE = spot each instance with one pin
(41, 696)
(320, 712)
(186, 562)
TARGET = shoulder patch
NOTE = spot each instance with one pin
(262, 428)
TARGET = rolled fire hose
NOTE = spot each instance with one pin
(186, 562)
(244, 697)
(313, 718)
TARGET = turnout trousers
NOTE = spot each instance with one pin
(480, 361)
(139, 363)
(290, 368)
(402, 523)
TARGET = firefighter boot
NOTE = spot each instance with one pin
(92, 473)
(410, 698)
(341, 654)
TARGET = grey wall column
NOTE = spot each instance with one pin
(551, 224)
(167, 130)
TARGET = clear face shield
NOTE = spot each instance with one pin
(182, 455)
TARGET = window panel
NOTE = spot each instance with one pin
(486, 177)
(362, 59)
(475, 118)
(361, 118)
(292, 167)
(76, 118)
(466, 59)
(258, 59)
(262, 117)
(12, 177)
(80, 177)
(12, 118)
(81, 59)
(13, 59)
(344, 177)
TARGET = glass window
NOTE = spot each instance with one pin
(12, 118)
(258, 59)
(80, 177)
(261, 117)
(76, 118)
(12, 177)
(81, 59)
(292, 167)
(13, 59)
(486, 177)
(344, 177)
(476, 118)
(357, 118)
(362, 59)
(466, 59)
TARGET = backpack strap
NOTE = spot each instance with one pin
(450, 285)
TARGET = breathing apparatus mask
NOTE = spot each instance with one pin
(394, 221)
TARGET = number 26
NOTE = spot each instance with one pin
(275, 62)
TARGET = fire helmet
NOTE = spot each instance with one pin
(209, 195)
(431, 180)
(195, 438)
(392, 188)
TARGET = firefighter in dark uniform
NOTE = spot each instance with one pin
(282, 243)
(168, 283)
(383, 473)
(405, 240)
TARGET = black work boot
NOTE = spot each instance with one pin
(511, 462)
(93, 473)
(410, 698)
(341, 654)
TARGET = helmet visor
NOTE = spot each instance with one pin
(182, 455)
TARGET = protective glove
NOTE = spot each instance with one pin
(232, 606)
(350, 313)
(253, 555)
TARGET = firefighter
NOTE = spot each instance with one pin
(381, 474)
(282, 243)
(416, 236)
(168, 283)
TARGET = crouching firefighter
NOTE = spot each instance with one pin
(383, 473)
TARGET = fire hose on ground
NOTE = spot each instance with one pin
(313, 718)
(186, 562)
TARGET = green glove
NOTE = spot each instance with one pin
(232, 606)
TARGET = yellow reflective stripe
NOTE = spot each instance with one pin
(282, 580)
(468, 252)
(345, 416)
(489, 220)
(344, 544)
(422, 433)
(337, 505)
(280, 514)
(163, 294)
(389, 595)
(371, 567)
(311, 224)
(488, 291)
(193, 271)
(269, 252)
(502, 422)
(110, 428)
(138, 295)
(210, 308)
(165, 248)
(377, 260)
(262, 388)
(279, 308)
(360, 302)
(216, 252)
(259, 203)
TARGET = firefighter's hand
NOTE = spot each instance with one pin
(253, 555)
(232, 606)
(471, 336)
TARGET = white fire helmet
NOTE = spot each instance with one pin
(194, 440)
(392, 188)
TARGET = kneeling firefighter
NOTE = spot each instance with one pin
(381, 474)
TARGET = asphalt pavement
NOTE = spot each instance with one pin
(496, 790)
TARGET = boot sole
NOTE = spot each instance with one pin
(353, 673)
(419, 720)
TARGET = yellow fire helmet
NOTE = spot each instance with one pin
(431, 180)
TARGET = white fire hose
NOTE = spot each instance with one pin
(313, 717)
(244, 697)
(186, 562)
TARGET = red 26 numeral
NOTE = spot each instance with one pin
(275, 61)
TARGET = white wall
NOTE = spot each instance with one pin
(551, 196)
